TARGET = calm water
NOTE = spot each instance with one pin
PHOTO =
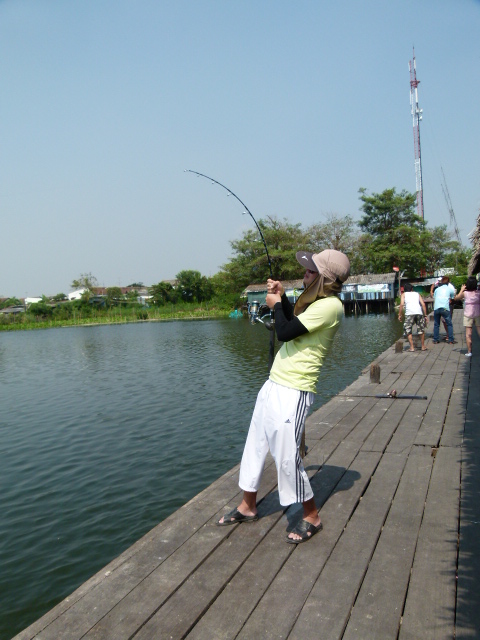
(104, 431)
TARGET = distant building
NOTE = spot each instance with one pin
(258, 292)
(359, 293)
(76, 295)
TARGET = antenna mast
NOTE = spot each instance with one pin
(417, 116)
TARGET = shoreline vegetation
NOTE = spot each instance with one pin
(95, 317)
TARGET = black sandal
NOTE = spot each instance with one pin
(306, 530)
(234, 516)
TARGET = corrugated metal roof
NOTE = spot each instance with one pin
(287, 284)
(374, 278)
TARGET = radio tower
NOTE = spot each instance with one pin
(417, 116)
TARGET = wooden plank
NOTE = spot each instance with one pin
(454, 426)
(406, 434)
(173, 616)
(344, 426)
(380, 437)
(432, 426)
(430, 604)
(186, 606)
(377, 611)
(327, 608)
(319, 423)
(279, 607)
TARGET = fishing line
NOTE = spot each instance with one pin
(247, 210)
(255, 317)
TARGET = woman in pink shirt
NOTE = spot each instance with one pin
(471, 311)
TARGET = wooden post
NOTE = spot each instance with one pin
(375, 373)
(399, 346)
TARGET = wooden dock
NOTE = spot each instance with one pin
(398, 482)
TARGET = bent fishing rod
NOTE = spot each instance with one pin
(247, 210)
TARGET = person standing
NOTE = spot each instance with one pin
(441, 309)
(471, 310)
(278, 421)
(415, 313)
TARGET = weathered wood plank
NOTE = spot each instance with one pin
(432, 425)
(406, 434)
(430, 604)
(454, 426)
(278, 609)
(319, 423)
(328, 606)
(378, 609)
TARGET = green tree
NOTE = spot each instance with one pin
(194, 287)
(250, 264)
(10, 302)
(163, 293)
(114, 296)
(40, 310)
(386, 211)
(398, 234)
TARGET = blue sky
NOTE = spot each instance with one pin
(292, 105)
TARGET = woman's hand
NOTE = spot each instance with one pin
(272, 299)
(275, 286)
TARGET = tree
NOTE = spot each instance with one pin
(398, 234)
(114, 295)
(85, 281)
(386, 211)
(340, 233)
(11, 302)
(444, 251)
(250, 263)
(40, 310)
(162, 293)
(193, 286)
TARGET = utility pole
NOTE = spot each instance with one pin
(417, 116)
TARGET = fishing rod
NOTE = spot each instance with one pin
(247, 210)
(255, 309)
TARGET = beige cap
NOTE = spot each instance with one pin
(331, 263)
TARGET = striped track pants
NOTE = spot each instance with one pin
(277, 425)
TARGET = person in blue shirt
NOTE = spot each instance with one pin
(441, 309)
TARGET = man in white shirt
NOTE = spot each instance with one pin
(415, 313)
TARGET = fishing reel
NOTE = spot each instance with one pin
(260, 313)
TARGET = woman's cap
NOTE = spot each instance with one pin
(331, 263)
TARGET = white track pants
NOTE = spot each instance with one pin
(277, 424)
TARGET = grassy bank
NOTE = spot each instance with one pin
(27, 322)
